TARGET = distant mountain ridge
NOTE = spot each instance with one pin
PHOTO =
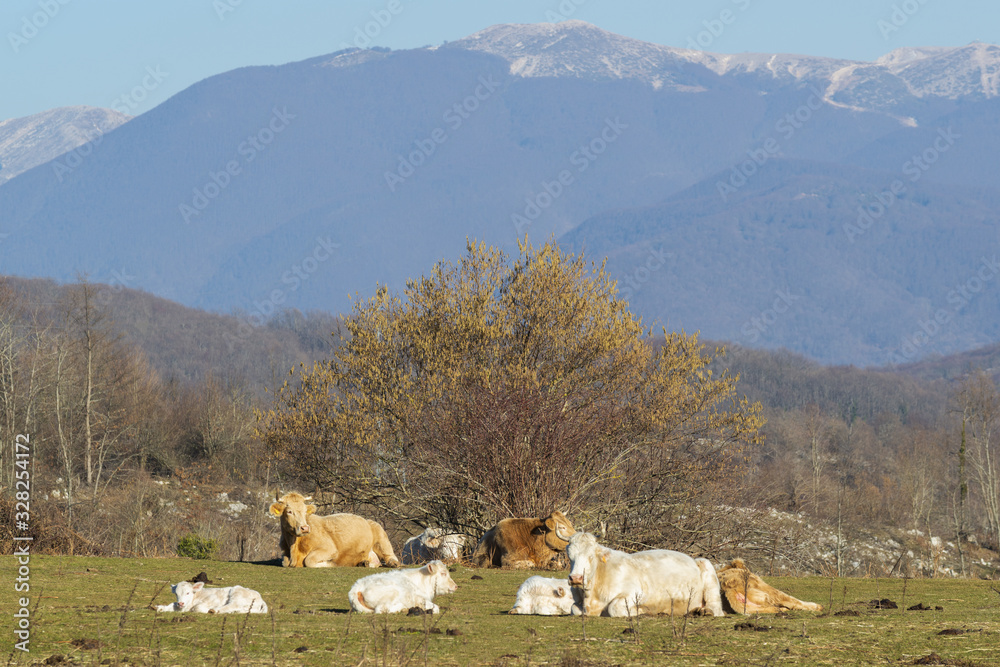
(306, 184)
(577, 49)
(33, 140)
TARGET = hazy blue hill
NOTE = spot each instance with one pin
(365, 172)
(852, 294)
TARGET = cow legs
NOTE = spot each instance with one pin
(319, 558)
(711, 589)
(517, 561)
(591, 607)
(297, 555)
(624, 605)
(382, 546)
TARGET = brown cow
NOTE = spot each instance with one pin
(748, 594)
(525, 543)
(308, 540)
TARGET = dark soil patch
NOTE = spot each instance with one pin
(884, 603)
(935, 659)
(751, 627)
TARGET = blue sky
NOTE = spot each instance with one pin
(134, 54)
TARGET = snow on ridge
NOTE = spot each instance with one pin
(544, 49)
(33, 140)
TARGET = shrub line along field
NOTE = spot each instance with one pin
(93, 611)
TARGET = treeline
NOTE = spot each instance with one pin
(873, 448)
(117, 391)
(132, 401)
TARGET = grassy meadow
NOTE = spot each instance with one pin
(97, 611)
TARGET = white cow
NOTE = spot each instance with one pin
(232, 600)
(546, 597)
(615, 583)
(433, 544)
(391, 592)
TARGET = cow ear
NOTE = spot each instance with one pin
(198, 586)
(277, 508)
(550, 523)
(310, 509)
(434, 567)
(560, 592)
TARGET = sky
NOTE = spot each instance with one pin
(133, 54)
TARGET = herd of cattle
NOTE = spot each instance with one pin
(601, 581)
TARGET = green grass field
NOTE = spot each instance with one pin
(94, 611)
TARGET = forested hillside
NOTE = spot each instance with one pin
(142, 418)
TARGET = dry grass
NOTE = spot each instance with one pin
(97, 611)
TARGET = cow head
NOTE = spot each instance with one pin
(431, 537)
(185, 592)
(584, 554)
(438, 571)
(558, 531)
(293, 511)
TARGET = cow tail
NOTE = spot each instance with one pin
(361, 601)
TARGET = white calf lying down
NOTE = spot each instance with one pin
(432, 544)
(546, 597)
(391, 592)
(232, 600)
(615, 583)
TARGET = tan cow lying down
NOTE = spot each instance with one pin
(308, 540)
(747, 593)
(525, 543)
(615, 583)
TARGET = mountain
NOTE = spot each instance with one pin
(806, 256)
(300, 185)
(33, 140)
